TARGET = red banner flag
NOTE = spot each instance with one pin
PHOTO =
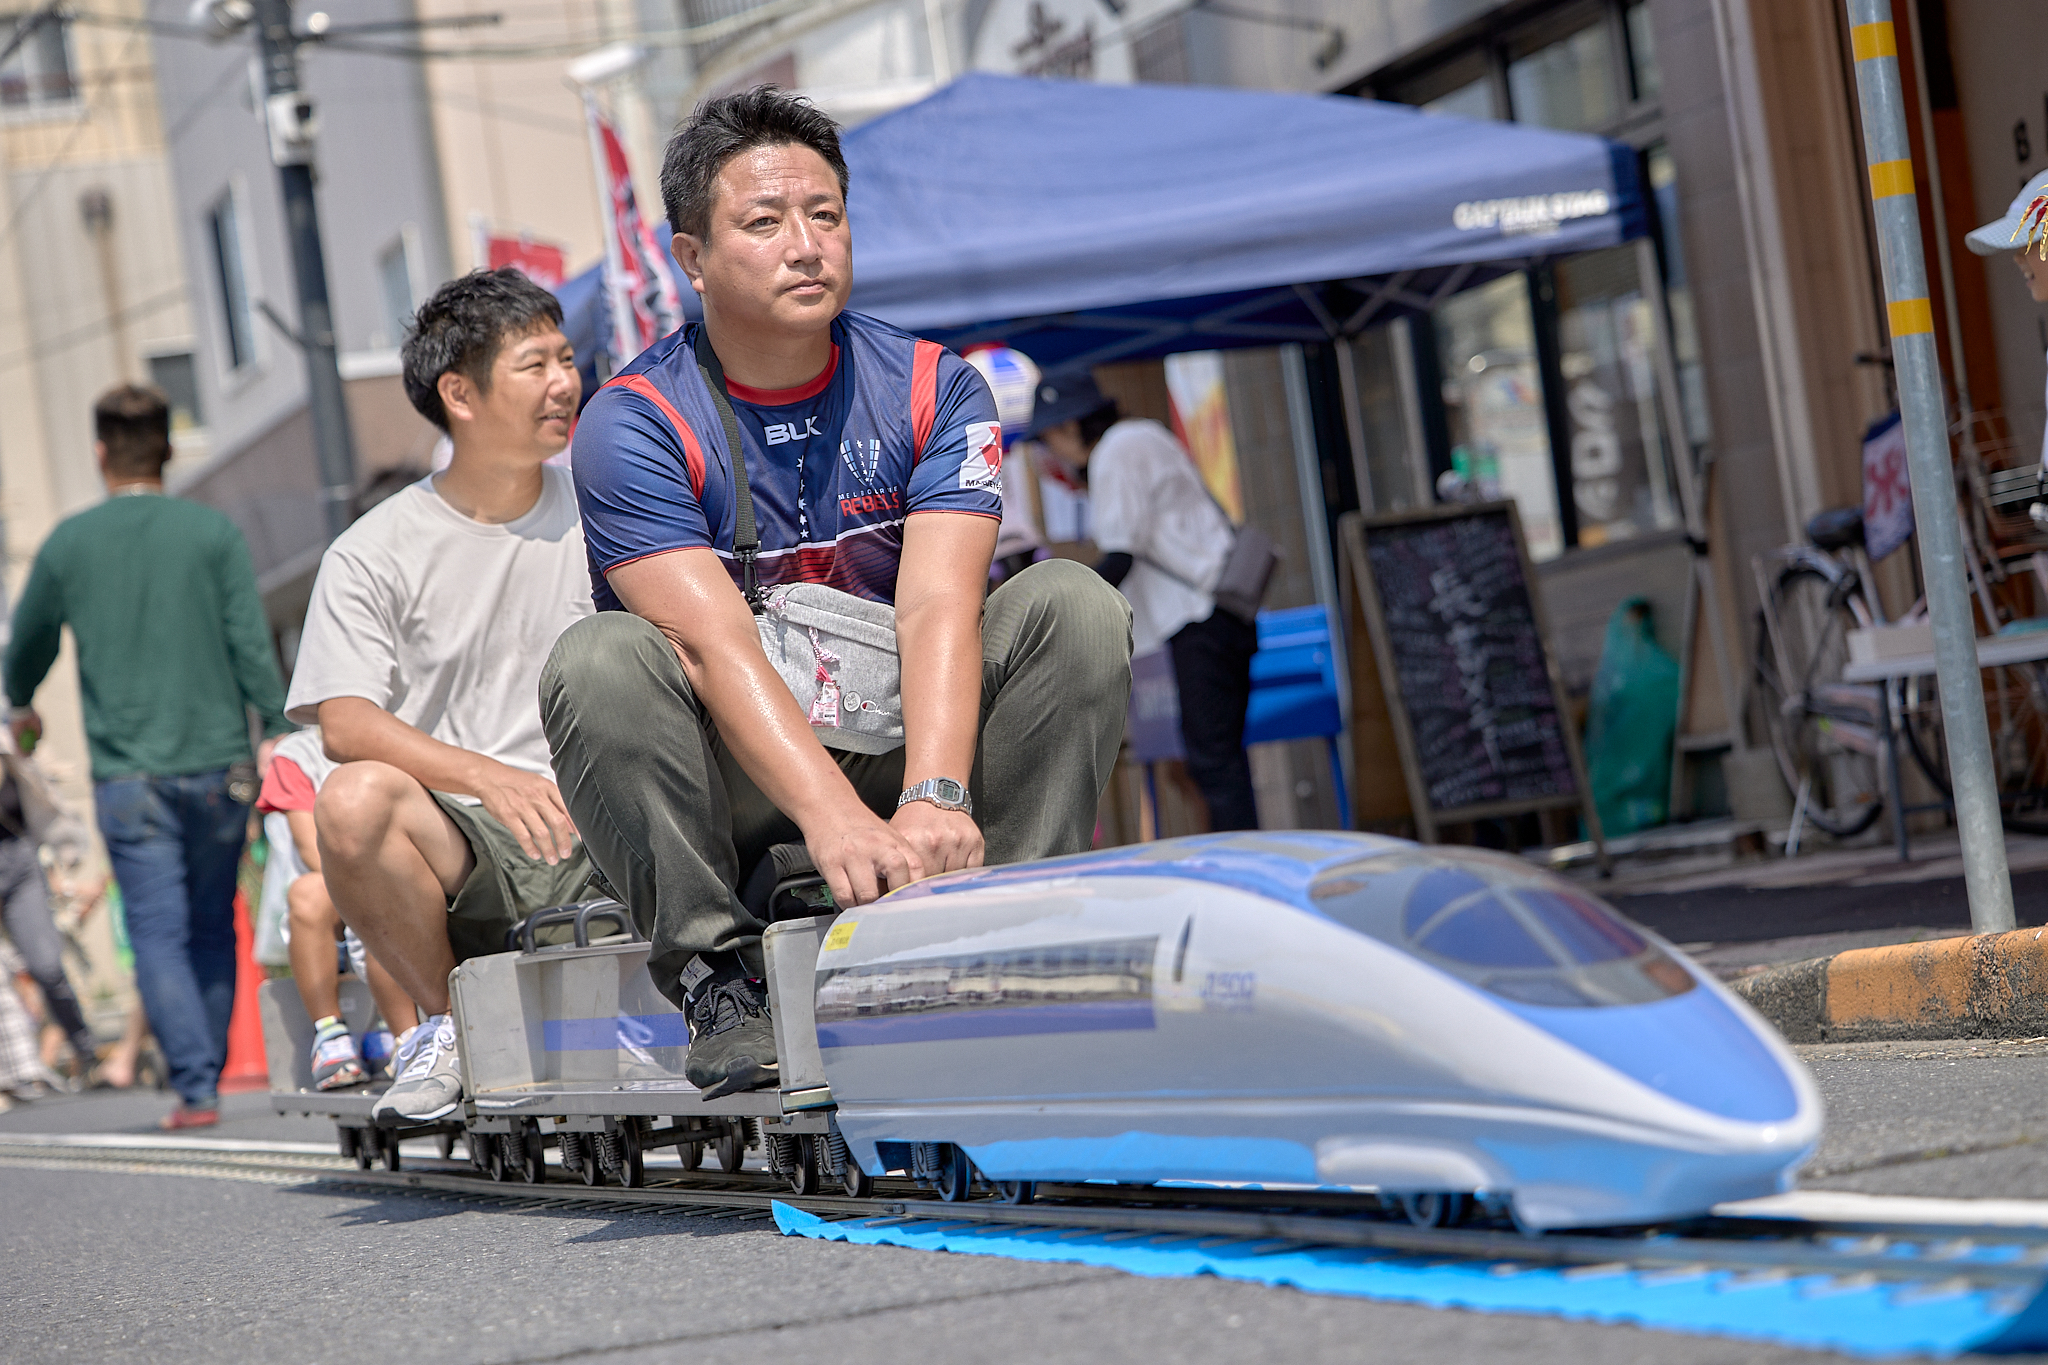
(640, 275)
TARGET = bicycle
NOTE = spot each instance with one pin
(1827, 734)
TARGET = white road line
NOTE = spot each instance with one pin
(166, 1143)
(1841, 1206)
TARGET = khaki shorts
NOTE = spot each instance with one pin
(505, 886)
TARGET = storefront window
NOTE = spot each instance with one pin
(1567, 84)
(1493, 402)
(1620, 470)
(1685, 332)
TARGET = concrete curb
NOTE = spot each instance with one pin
(1982, 986)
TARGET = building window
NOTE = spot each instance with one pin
(39, 72)
(238, 321)
(1160, 52)
(178, 377)
(395, 280)
(1642, 53)
(1471, 100)
(1567, 83)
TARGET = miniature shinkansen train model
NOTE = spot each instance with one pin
(1446, 1028)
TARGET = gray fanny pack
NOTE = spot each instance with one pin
(835, 652)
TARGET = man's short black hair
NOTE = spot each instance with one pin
(464, 326)
(134, 422)
(720, 130)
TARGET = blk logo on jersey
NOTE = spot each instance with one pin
(982, 468)
(782, 433)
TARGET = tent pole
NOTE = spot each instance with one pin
(1354, 422)
(1939, 528)
(1315, 516)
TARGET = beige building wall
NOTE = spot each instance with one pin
(511, 136)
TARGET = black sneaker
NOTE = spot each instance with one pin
(732, 1039)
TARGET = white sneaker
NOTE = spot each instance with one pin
(429, 1086)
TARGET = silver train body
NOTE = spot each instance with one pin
(1305, 1010)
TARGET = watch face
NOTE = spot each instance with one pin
(946, 789)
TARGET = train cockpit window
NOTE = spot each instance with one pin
(1502, 927)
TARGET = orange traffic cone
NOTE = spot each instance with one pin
(246, 1068)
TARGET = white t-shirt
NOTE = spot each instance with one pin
(446, 622)
(1147, 500)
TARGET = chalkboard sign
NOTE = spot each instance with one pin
(1473, 695)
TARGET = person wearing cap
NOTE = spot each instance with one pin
(1164, 539)
(2023, 231)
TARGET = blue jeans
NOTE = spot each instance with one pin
(175, 843)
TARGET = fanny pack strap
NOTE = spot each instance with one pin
(746, 541)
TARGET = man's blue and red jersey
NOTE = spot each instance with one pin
(893, 426)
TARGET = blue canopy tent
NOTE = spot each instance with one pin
(1089, 223)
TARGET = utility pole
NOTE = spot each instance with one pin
(289, 117)
(1876, 47)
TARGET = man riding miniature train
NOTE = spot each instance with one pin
(421, 657)
(867, 461)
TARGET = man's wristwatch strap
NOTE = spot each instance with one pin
(942, 792)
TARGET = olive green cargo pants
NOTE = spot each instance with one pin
(673, 823)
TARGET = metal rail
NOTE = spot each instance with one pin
(1978, 1256)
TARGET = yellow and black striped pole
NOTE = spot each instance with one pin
(1925, 413)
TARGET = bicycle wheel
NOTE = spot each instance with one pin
(1823, 731)
(2016, 712)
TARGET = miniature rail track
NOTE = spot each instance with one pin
(1941, 1257)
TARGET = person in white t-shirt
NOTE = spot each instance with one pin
(1164, 540)
(420, 661)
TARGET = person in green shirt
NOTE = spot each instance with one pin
(174, 654)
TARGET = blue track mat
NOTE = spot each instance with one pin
(1852, 1314)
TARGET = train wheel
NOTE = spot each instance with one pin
(531, 1154)
(391, 1158)
(594, 1147)
(692, 1155)
(572, 1153)
(447, 1142)
(857, 1183)
(1435, 1210)
(345, 1139)
(1017, 1191)
(632, 1162)
(732, 1149)
(803, 1176)
(956, 1175)
(494, 1155)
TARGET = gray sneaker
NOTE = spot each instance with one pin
(732, 1039)
(430, 1086)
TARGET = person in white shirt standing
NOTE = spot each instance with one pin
(421, 659)
(1164, 540)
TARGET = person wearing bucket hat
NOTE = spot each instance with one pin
(2023, 232)
(1164, 540)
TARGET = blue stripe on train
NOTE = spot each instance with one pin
(608, 1035)
(944, 1025)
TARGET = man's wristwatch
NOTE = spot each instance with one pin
(942, 792)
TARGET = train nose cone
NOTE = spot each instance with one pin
(1694, 1048)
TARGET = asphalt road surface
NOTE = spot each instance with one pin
(168, 1269)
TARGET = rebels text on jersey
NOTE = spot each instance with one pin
(894, 426)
